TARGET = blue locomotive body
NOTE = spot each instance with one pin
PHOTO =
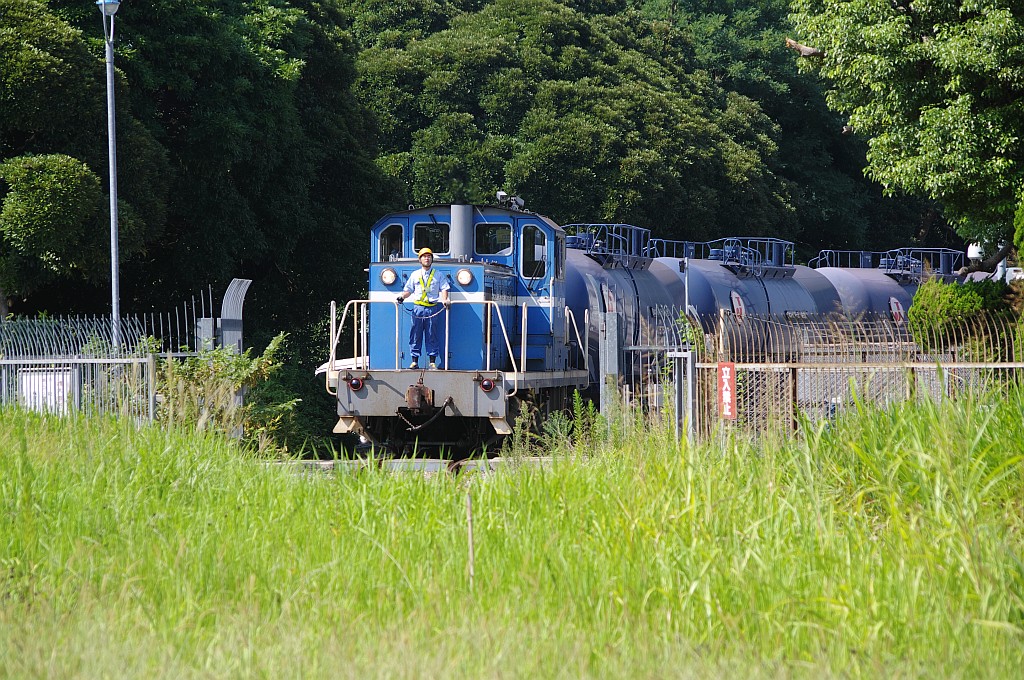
(528, 302)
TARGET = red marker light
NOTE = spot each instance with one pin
(486, 385)
(355, 384)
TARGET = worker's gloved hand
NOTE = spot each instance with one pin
(447, 304)
(401, 299)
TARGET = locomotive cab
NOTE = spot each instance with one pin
(504, 341)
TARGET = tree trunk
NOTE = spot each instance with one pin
(804, 50)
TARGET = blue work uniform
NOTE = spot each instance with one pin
(426, 286)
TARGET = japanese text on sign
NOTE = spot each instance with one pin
(727, 390)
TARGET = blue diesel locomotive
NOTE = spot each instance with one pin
(528, 299)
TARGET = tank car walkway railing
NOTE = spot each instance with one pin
(942, 262)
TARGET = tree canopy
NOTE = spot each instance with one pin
(241, 149)
(937, 89)
(259, 138)
(590, 117)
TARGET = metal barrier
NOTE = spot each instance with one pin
(122, 386)
(91, 365)
(788, 371)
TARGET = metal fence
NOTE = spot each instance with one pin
(85, 364)
(123, 386)
(781, 371)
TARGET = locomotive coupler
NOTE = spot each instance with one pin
(419, 397)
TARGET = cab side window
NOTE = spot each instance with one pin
(433, 235)
(534, 265)
(390, 245)
(560, 257)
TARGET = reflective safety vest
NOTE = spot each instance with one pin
(425, 286)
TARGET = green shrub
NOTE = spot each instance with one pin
(222, 390)
(940, 308)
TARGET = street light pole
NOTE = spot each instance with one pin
(108, 8)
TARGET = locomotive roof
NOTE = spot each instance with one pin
(487, 210)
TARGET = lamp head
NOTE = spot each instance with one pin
(108, 7)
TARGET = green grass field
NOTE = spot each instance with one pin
(889, 544)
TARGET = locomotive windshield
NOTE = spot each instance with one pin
(493, 239)
(433, 235)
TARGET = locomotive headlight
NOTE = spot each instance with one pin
(388, 276)
(464, 277)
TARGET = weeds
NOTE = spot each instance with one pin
(224, 391)
(889, 541)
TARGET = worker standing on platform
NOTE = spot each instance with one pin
(427, 288)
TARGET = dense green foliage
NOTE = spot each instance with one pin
(247, 135)
(591, 118)
(742, 46)
(689, 119)
(946, 314)
(891, 540)
(241, 149)
(53, 151)
(227, 392)
(935, 87)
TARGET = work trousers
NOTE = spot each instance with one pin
(424, 330)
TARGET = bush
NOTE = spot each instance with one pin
(222, 390)
(939, 308)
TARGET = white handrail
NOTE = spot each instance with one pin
(522, 349)
(332, 343)
(359, 317)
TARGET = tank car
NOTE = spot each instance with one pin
(532, 307)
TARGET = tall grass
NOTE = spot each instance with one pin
(888, 543)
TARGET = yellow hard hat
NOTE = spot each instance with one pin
(425, 251)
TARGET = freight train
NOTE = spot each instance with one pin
(531, 303)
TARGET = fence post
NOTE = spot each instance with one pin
(608, 367)
(792, 397)
(685, 368)
(151, 385)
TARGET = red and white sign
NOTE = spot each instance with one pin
(738, 308)
(898, 313)
(727, 390)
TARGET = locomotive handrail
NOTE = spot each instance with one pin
(360, 334)
(569, 316)
(487, 344)
(522, 348)
(360, 337)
